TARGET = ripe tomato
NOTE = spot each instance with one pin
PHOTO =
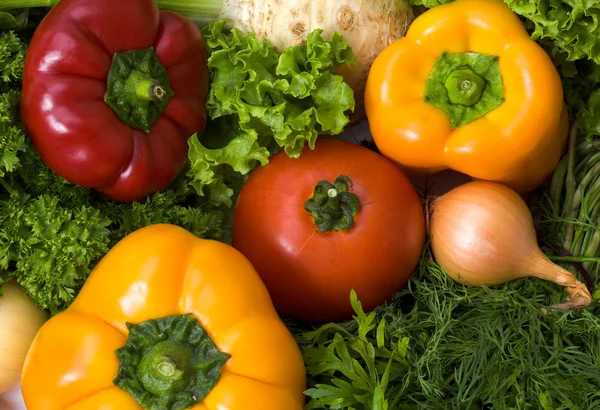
(310, 273)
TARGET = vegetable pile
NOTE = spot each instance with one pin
(54, 232)
(181, 226)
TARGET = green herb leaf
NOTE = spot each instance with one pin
(352, 364)
(162, 207)
(449, 346)
(12, 58)
(51, 246)
(12, 135)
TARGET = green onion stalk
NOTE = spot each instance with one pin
(573, 211)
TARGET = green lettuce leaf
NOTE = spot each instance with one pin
(570, 31)
(570, 24)
(429, 3)
(262, 102)
(213, 171)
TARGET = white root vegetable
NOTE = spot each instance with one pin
(20, 320)
(482, 234)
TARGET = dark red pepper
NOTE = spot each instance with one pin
(112, 91)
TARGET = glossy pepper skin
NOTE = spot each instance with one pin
(78, 135)
(158, 271)
(518, 143)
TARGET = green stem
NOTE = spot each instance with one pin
(587, 212)
(557, 184)
(592, 248)
(166, 368)
(169, 363)
(570, 179)
(574, 259)
(590, 212)
(18, 4)
(200, 11)
(332, 206)
(575, 202)
(7, 187)
(586, 145)
(146, 89)
(586, 163)
(138, 88)
(464, 87)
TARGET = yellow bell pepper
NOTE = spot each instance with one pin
(167, 321)
(467, 89)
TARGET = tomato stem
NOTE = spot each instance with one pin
(332, 206)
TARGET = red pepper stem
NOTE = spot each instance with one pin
(149, 90)
(138, 88)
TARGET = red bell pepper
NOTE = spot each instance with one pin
(112, 91)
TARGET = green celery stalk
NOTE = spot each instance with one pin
(200, 11)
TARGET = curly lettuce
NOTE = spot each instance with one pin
(261, 102)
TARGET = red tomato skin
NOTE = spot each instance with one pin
(310, 274)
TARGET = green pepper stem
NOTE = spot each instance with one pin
(166, 367)
(169, 363)
(332, 206)
(464, 87)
